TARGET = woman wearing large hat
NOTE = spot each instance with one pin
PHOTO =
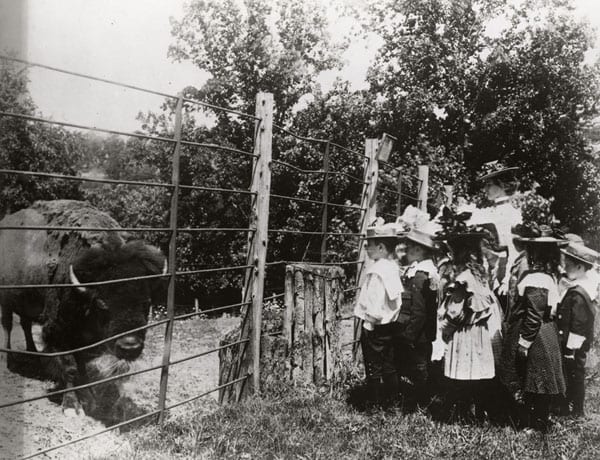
(531, 365)
(500, 183)
(471, 318)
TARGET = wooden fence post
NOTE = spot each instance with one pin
(164, 374)
(311, 325)
(367, 215)
(449, 194)
(423, 187)
(399, 190)
(325, 201)
(248, 358)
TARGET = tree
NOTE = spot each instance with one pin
(277, 46)
(457, 97)
(31, 146)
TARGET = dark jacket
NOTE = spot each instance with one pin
(417, 317)
(576, 315)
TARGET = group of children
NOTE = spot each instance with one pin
(470, 314)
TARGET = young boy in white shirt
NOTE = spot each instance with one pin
(378, 305)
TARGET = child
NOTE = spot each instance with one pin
(378, 305)
(531, 345)
(471, 320)
(418, 315)
(575, 319)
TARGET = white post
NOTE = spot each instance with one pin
(423, 187)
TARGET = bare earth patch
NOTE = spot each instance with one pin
(34, 426)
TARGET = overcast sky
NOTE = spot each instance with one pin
(126, 41)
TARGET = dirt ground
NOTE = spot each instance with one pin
(34, 426)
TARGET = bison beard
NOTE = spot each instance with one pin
(76, 317)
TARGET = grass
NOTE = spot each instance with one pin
(309, 423)
(312, 423)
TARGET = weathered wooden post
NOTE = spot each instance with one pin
(423, 187)
(172, 261)
(449, 194)
(325, 200)
(367, 215)
(311, 325)
(243, 359)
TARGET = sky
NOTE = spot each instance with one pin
(125, 41)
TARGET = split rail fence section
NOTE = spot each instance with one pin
(244, 376)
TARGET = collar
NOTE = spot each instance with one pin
(588, 283)
(501, 200)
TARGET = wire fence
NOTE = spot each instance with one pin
(311, 240)
(174, 187)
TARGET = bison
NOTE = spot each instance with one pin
(78, 316)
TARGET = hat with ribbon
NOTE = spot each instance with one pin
(455, 228)
(530, 233)
(581, 253)
(380, 229)
(538, 224)
(494, 169)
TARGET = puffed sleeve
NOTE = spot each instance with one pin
(375, 298)
(535, 302)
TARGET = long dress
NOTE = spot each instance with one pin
(531, 324)
(472, 328)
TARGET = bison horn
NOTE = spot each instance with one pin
(165, 268)
(74, 280)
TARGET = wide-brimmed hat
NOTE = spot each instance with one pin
(494, 169)
(573, 238)
(454, 227)
(420, 237)
(390, 230)
(537, 234)
(581, 253)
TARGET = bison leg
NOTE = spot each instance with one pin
(67, 375)
(7, 321)
(26, 325)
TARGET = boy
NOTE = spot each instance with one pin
(418, 315)
(378, 306)
(575, 321)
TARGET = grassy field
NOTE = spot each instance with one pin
(318, 423)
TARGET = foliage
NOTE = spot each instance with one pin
(255, 45)
(456, 96)
(31, 147)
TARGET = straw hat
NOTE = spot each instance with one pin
(420, 237)
(581, 253)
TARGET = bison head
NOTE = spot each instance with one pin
(112, 309)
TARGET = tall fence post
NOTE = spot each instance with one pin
(423, 187)
(247, 359)
(448, 194)
(399, 190)
(324, 217)
(368, 214)
(164, 374)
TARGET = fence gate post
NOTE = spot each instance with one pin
(367, 215)
(164, 375)
(325, 201)
(423, 187)
(246, 359)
